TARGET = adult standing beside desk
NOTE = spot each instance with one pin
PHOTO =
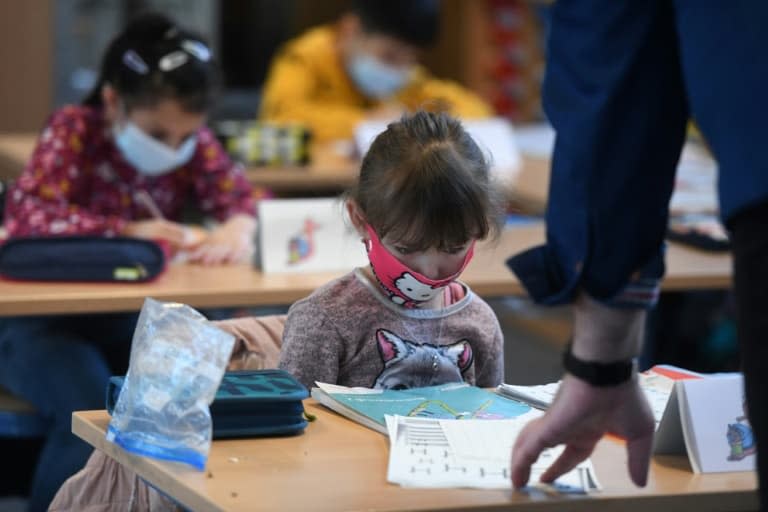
(622, 80)
(139, 134)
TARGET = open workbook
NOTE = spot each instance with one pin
(430, 448)
(701, 416)
(449, 401)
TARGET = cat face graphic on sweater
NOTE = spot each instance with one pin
(410, 365)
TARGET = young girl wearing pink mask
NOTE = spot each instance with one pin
(422, 200)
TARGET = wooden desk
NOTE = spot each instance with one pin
(339, 465)
(329, 170)
(241, 285)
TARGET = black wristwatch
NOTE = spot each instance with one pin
(598, 374)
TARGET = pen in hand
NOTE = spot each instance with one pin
(192, 236)
(143, 198)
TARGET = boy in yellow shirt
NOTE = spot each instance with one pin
(364, 66)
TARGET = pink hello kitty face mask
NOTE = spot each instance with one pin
(405, 286)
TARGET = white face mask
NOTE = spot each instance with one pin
(148, 155)
(376, 79)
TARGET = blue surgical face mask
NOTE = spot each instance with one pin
(374, 78)
(148, 155)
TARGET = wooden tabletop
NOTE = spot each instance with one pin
(241, 285)
(338, 465)
(330, 171)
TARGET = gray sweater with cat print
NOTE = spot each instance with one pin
(348, 333)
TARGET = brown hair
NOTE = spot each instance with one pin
(425, 182)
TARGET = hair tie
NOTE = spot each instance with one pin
(133, 61)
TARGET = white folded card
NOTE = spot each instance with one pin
(706, 418)
(307, 235)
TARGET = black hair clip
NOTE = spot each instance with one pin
(133, 61)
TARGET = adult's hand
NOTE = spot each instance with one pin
(582, 413)
(578, 417)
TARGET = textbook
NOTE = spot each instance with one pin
(456, 400)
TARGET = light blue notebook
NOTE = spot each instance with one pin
(447, 401)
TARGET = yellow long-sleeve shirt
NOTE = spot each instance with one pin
(307, 83)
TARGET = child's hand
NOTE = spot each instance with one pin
(158, 229)
(231, 242)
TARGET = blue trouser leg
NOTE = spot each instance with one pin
(60, 365)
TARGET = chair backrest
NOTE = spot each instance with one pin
(257, 341)
(257, 346)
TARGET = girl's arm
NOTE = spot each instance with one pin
(489, 362)
(42, 200)
(311, 346)
(223, 192)
(220, 185)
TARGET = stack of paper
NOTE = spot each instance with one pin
(426, 452)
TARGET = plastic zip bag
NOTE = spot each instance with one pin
(178, 359)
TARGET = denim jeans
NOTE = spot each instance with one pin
(62, 364)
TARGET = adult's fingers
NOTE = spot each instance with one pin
(639, 455)
(525, 452)
(569, 459)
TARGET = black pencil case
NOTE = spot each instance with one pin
(81, 258)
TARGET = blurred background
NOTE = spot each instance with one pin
(50, 50)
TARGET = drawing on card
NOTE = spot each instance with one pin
(301, 246)
(740, 437)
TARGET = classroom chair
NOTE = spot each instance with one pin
(18, 419)
(103, 484)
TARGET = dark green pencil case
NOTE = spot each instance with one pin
(248, 403)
